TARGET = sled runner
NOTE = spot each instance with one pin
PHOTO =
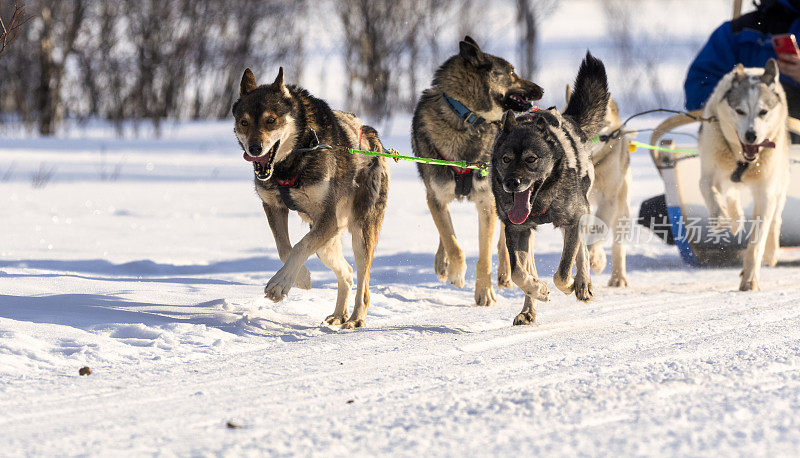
(687, 219)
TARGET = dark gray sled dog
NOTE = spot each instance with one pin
(456, 119)
(542, 173)
(280, 127)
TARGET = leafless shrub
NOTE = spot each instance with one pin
(41, 177)
(9, 30)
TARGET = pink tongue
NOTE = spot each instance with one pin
(261, 160)
(519, 212)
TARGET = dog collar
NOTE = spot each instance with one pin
(462, 112)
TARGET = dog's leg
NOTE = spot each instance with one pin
(365, 237)
(484, 293)
(503, 262)
(563, 276)
(331, 255)
(772, 248)
(583, 283)
(622, 221)
(321, 232)
(606, 210)
(453, 266)
(734, 209)
(278, 219)
(522, 272)
(765, 201)
(713, 198)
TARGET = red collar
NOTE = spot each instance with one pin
(287, 183)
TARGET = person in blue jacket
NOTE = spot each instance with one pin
(747, 40)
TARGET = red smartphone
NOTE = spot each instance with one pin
(785, 44)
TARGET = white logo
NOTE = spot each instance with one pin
(592, 229)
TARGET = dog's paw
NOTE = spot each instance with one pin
(336, 319)
(583, 290)
(278, 286)
(618, 281)
(352, 324)
(565, 285)
(440, 265)
(504, 279)
(484, 294)
(456, 271)
(597, 259)
(749, 285)
(303, 279)
(525, 318)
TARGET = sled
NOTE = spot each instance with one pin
(687, 219)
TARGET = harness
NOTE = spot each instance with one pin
(463, 177)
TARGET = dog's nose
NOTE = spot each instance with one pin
(254, 150)
(750, 136)
(512, 183)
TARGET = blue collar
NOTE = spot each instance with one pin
(462, 112)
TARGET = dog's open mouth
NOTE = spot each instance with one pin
(517, 102)
(750, 151)
(262, 165)
(521, 208)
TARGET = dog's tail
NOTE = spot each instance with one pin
(588, 103)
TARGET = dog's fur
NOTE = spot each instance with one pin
(610, 193)
(487, 85)
(750, 108)
(332, 190)
(542, 173)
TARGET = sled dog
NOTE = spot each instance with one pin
(542, 173)
(456, 119)
(612, 183)
(747, 147)
(284, 132)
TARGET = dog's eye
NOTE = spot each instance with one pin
(271, 119)
(762, 113)
(741, 112)
(531, 159)
(244, 123)
(506, 159)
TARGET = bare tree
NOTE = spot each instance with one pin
(9, 30)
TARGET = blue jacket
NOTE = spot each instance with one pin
(726, 48)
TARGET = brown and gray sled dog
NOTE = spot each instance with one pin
(456, 119)
(612, 182)
(283, 131)
(542, 173)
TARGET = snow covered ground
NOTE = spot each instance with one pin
(155, 282)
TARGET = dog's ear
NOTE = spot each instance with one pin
(738, 72)
(279, 83)
(568, 94)
(248, 82)
(469, 40)
(509, 121)
(470, 52)
(770, 72)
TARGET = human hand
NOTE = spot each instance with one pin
(789, 65)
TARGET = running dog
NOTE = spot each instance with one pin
(285, 133)
(542, 173)
(456, 119)
(610, 192)
(747, 147)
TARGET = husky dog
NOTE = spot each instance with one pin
(612, 182)
(456, 119)
(285, 133)
(542, 173)
(747, 147)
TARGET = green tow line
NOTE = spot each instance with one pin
(480, 166)
(483, 167)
